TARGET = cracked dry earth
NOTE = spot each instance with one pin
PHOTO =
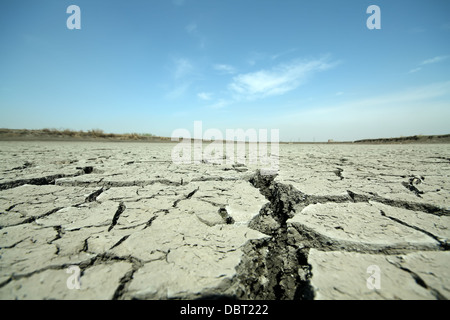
(141, 227)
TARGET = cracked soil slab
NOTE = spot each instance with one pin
(138, 226)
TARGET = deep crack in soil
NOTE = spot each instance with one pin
(273, 268)
(277, 268)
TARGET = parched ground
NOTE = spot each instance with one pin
(336, 222)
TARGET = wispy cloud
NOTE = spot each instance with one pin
(280, 54)
(191, 28)
(178, 90)
(435, 60)
(181, 73)
(224, 68)
(278, 80)
(257, 56)
(415, 70)
(429, 61)
(182, 67)
(205, 96)
(222, 103)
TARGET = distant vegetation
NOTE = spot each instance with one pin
(67, 134)
(411, 139)
(100, 135)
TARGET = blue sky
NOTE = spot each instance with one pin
(311, 69)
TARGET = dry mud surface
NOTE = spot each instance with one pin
(337, 222)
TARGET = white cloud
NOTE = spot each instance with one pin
(183, 67)
(255, 57)
(191, 28)
(193, 31)
(429, 61)
(178, 91)
(182, 71)
(204, 96)
(224, 68)
(280, 54)
(277, 81)
(415, 70)
(219, 104)
(435, 60)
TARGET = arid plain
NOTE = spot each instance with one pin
(338, 221)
